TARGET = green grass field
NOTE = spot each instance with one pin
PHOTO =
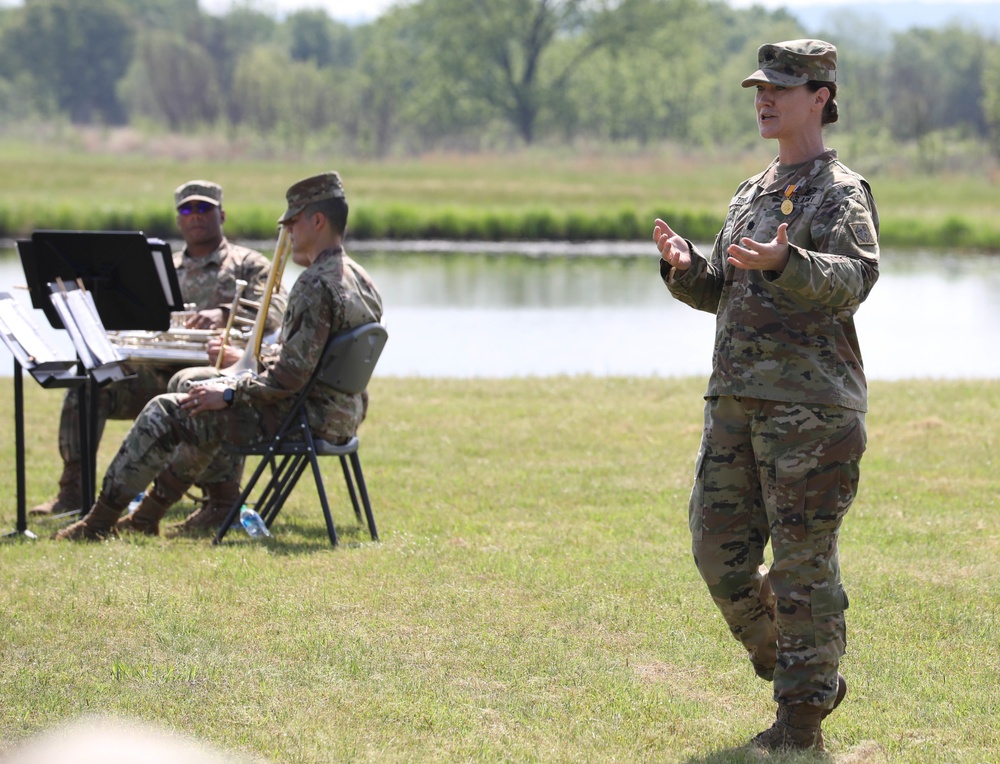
(533, 597)
(532, 194)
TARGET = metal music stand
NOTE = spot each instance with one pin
(134, 285)
(22, 341)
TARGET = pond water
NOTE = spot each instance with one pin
(601, 309)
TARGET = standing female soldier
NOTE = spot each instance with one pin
(784, 416)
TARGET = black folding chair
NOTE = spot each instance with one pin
(346, 365)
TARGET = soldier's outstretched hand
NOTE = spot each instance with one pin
(673, 249)
(761, 256)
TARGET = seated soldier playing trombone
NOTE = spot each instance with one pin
(333, 294)
(168, 488)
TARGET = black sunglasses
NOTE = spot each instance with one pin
(201, 208)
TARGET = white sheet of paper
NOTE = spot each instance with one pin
(93, 329)
(161, 270)
(79, 342)
(19, 327)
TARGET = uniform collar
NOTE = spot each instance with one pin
(770, 180)
(216, 258)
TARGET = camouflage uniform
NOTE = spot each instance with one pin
(206, 282)
(332, 295)
(784, 418)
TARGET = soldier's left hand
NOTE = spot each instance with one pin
(210, 318)
(230, 355)
(203, 398)
(761, 256)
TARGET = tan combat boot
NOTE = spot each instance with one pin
(220, 499)
(167, 490)
(96, 525)
(796, 727)
(70, 490)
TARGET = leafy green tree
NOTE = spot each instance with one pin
(22, 102)
(991, 95)
(75, 49)
(936, 81)
(230, 37)
(275, 96)
(386, 96)
(863, 44)
(651, 88)
(498, 53)
(172, 80)
(259, 81)
(318, 38)
(163, 15)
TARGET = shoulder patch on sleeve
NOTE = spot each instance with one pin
(864, 234)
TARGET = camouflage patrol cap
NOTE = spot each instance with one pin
(318, 188)
(794, 62)
(198, 190)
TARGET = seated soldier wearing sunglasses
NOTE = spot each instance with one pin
(207, 270)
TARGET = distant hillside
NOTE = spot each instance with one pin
(900, 16)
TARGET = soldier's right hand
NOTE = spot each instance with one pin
(673, 249)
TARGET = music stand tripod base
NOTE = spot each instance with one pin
(28, 534)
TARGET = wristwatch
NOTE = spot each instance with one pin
(228, 395)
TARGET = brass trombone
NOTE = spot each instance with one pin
(249, 362)
(240, 286)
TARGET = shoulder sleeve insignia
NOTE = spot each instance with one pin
(863, 233)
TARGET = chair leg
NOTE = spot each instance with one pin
(363, 490)
(284, 477)
(281, 486)
(349, 480)
(321, 490)
(272, 490)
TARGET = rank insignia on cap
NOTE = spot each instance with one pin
(863, 233)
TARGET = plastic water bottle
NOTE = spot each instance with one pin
(254, 523)
(134, 504)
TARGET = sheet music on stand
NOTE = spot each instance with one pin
(78, 314)
(159, 250)
(28, 346)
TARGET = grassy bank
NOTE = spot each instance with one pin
(529, 195)
(533, 598)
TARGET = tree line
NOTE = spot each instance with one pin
(470, 74)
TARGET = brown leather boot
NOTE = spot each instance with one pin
(796, 727)
(70, 490)
(167, 490)
(97, 525)
(220, 499)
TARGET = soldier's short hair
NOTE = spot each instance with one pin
(335, 210)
